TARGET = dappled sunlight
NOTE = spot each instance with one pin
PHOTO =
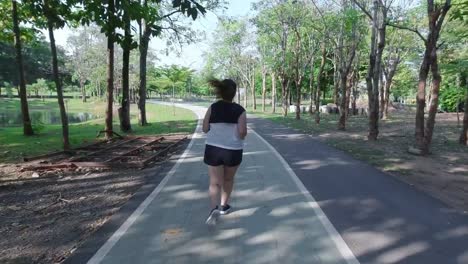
(453, 233)
(315, 164)
(377, 240)
(188, 195)
(231, 234)
(403, 253)
(255, 153)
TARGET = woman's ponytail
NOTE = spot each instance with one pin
(225, 89)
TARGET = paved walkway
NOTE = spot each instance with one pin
(382, 219)
(275, 219)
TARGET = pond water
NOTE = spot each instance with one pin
(47, 117)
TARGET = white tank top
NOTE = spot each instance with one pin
(224, 131)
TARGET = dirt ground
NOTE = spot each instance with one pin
(44, 219)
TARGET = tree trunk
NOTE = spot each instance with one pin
(124, 112)
(143, 62)
(433, 105)
(284, 94)
(83, 91)
(421, 100)
(298, 98)
(58, 83)
(386, 99)
(319, 83)
(110, 74)
(263, 88)
(336, 80)
(464, 133)
(238, 92)
(246, 94)
(375, 68)
(436, 14)
(27, 127)
(273, 92)
(381, 94)
(311, 88)
(254, 103)
(463, 82)
(343, 100)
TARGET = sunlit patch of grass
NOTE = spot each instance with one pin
(162, 119)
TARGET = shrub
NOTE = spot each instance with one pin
(450, 97)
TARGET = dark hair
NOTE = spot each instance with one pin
(225, 89)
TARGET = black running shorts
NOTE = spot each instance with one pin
(215, 156)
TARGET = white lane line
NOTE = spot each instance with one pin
(341, 245)
(110, 243)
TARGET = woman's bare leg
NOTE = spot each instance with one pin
(229, 173)
(216, 182)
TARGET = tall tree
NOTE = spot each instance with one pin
(303, 47)
(273, 92)
(378, 16)
(127, 45)
(348, 40)
(80, 46)
(27, 127)
(464, 132)
(460, 63)
(51, 15)
(157, 17)
(103, 13)
(436, 14)
(396, 51)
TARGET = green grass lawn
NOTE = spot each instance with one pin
(14, 146)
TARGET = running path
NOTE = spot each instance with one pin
(383, 220)
(275, 220)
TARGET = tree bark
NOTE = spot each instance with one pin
(343, 100)
(311, 88)
(110, 71)
(421, 100)
(246, 94)
(464, 133)
(252, 84)
(83, 91)
(386, 98)
(389, 73)
(264, 88)
(336, 79)
(436, 15)
(58, 83)
(298, 98)
(238, 92)
(319, 83)
(381, 94)
(433, 105)
(124, 112)
(273, 92)
(142, 91)
(27, 127)
(375, 68)
(284, 94)
(463, 82)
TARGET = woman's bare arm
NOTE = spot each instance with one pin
(206, 121)
(242, 125)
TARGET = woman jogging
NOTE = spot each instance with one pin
(226, 126)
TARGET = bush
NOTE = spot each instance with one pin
(327, 101)
(38, 126)
(450, 98)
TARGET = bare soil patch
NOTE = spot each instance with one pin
(45, 215)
